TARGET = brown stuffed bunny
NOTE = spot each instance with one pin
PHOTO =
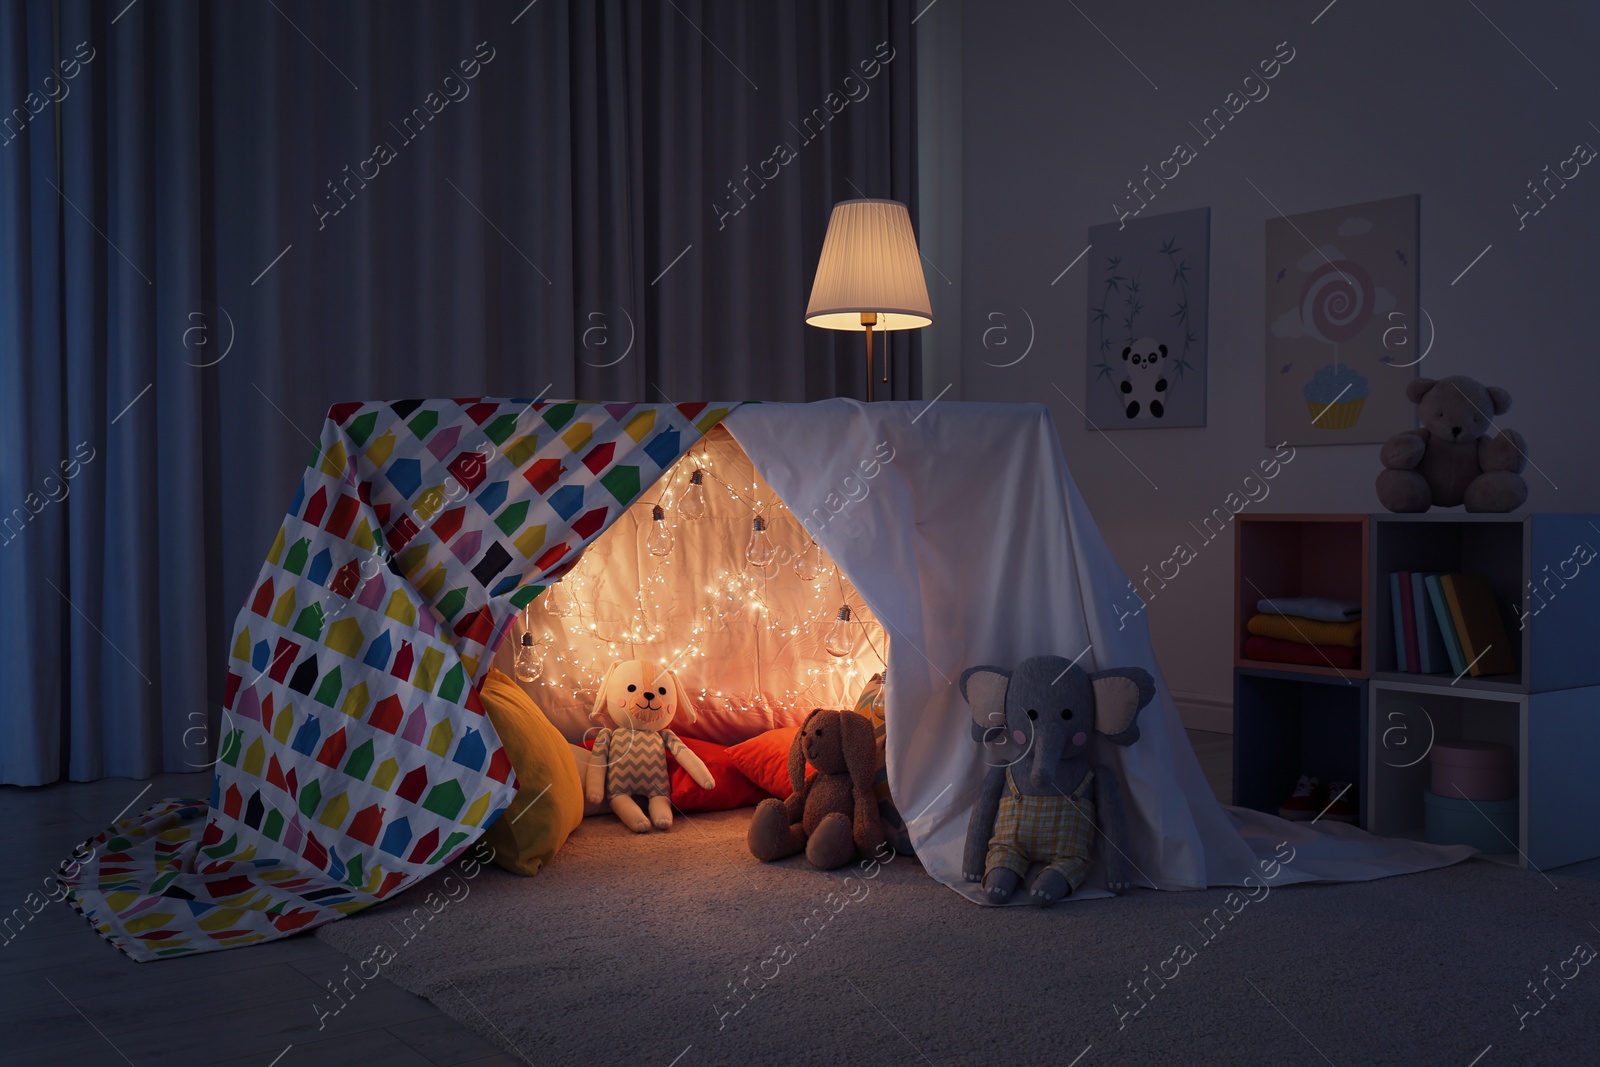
(834, 812)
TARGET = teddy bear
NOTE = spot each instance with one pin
(1038, 801)
(1145, 387)
(630, 758)
(834, 812)
(1449, 460)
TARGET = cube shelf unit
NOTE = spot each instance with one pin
(1374, 725)
(1287, 723)
(1298, 555)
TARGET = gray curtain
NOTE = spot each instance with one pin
(216, 220)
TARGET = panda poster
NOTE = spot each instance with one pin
(1148, 297)
(1342, 330)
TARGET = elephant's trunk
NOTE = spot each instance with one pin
(1047, 746)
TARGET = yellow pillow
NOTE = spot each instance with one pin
(581, 758)
(549, 801)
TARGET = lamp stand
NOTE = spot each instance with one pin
(869, 319)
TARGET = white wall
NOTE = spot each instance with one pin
(1380, 100)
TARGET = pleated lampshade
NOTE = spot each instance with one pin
(869, 263)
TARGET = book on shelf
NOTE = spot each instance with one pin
(1430, 637)
(1478, 625)
(1399, 623)
(1408, 614)
(1447, 626)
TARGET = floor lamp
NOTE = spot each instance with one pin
(869, 277)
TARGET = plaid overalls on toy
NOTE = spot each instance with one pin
(1054, 829)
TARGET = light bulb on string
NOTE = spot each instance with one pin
(808, 565)
(759, 551)
(557, 600)
(693, 504)
(659, 542)
(528, 664)
(838, 640)
(769, 569)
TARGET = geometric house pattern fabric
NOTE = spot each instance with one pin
(355, 756)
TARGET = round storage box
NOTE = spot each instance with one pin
(1487, 825)
(1474, 770)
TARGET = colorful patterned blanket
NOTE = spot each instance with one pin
(355, 757)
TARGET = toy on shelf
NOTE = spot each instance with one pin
(1036, 724)
(630, 758)
(832, 813)
(1450, 460)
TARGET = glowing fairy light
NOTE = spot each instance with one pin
(693, 504)
(528, 663)
(660, 540)
(616, 605)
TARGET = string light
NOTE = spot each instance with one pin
(837, 640)
(693, 504)
(558, 601)
(809, 564)
(660, 540)
(776, 614)
(528, 663)
(759, 551)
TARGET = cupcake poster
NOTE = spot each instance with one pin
(1338, 281)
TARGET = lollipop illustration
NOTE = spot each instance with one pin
(1335, 306)
(1337, 302)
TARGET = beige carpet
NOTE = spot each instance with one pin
(630, 950)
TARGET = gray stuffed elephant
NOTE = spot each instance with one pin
(1036, 724)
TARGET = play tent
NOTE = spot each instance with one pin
(356, 758)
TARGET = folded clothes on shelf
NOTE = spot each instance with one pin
(1321, 608)
(1306, 631)
(1271, 650)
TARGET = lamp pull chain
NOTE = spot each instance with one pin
(888, 352)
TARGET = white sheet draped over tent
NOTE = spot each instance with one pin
(972, 545)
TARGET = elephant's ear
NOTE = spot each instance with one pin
(985, 691)
(1119, 694)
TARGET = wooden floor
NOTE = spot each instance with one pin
(67, 998)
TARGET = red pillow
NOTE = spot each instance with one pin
(733, 789)
(764, 759)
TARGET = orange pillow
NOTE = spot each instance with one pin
(764, 759)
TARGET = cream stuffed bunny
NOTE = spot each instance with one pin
(630, 758)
